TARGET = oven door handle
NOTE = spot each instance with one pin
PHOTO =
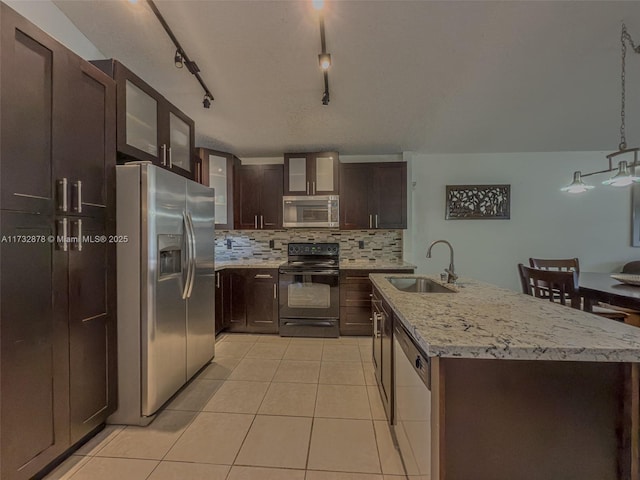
(310, 272)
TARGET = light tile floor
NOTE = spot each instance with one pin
(267, 408)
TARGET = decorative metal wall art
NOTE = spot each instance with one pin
(478, 202)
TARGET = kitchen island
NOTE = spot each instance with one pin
(521, 388)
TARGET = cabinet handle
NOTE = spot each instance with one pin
(262, 221)
(63, 186)
(370, 221)
(307, 188)
(217, 279)
(79, 239)
(376, 220)
(164, 154)
(263, 275)
(63, 246)
(275, 291)
(255, 221)
(78, 187)
(170, 160)
(314, 187)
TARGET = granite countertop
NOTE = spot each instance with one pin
(366, 265)
(484, 321)
(344, 264)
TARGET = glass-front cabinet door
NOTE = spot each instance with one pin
(141, 120)
(179, 143)
(325, 178)
(216, 171)
(311, 174)
(218, 174)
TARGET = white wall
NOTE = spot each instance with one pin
(50, 18)
(545, 222)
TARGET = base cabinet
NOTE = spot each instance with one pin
(253, 300)
(355, 300)
(382, 316)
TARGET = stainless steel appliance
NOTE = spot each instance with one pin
(412, 404)
(311, 211)
(165, 286)
(309, 291)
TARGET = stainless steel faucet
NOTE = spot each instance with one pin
(451, 271)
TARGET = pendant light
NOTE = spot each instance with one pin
(623, 176)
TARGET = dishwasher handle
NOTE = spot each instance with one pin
(416, 357)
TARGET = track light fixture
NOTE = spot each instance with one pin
(178, 60)
(181, 58)
(623, 176)
(206, 102)
(324, 59)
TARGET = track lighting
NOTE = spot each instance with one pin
(181, 58)
(177, 59)
(324, 59)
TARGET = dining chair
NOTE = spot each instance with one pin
(568, 265)
(561, 264)
(632, 268)
(553, 285)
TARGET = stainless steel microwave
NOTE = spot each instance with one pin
(317, 211)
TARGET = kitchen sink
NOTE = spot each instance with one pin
(418, 285)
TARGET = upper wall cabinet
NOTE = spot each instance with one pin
(311, 173)
(258, 197)
(148, 126)
(217, 170)
(373, 195)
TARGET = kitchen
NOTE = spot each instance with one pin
(463, 134)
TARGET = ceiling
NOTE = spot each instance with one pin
(424, 76)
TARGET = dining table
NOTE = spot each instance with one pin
(601, 287)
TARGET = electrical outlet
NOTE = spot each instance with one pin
(228, 244)
(272, 244)
(360, 244)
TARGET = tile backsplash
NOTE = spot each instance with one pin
(379, 245)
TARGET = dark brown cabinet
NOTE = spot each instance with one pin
(223, 301)
(355, 300)
(217, 171)
(253, 300)
(314, 173)
(258, 197)
(149, 127)
(262, 307)
(57, 297)
(373, 195)
(383, 350)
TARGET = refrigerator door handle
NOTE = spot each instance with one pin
(187, 241)
(192, 254)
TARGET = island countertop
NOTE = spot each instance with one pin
(481, 320)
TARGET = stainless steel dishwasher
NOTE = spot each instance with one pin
(412, 404)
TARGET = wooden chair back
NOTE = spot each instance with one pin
(552, 285)
(560, 264)
(632, 268)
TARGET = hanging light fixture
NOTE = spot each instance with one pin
(623, 176)
(577, 186)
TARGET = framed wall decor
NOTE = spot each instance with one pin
(478, 202)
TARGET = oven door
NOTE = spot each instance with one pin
(310, 294)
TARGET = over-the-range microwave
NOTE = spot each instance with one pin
(316, 211)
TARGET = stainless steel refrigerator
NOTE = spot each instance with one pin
(165, 226)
